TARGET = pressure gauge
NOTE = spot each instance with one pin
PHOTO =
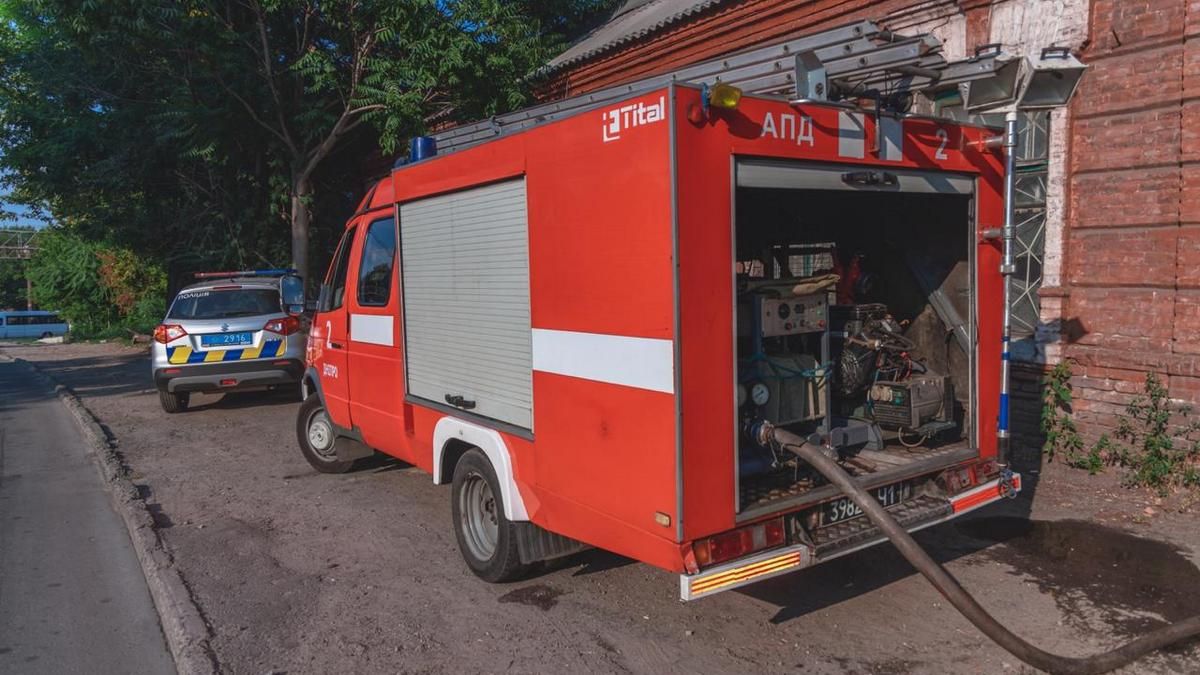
(760, 394)
(742, 395)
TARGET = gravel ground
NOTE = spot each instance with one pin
(299, 572)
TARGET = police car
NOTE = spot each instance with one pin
(231, 331)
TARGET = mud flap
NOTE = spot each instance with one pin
(536, 544)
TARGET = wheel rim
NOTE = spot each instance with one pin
(320, 434)
(480, 522)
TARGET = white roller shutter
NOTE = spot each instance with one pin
(465, 268)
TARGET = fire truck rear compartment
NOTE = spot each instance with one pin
(854, 319)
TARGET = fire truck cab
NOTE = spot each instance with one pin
(579, 327)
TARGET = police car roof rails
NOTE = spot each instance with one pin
(825, 66)
(246, 273)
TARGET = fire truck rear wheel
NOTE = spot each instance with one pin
(318, 439)
(487, 539)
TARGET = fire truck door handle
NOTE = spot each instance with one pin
(336, 345)
(458, 401)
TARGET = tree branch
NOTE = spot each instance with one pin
(269, 75)
(254, 116)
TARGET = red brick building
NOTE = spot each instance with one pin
(1110, 220)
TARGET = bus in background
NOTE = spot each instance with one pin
(30, 324)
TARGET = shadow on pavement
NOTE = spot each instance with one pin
(101, 376)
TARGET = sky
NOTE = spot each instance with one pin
(23, 217)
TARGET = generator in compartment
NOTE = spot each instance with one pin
(854, 330)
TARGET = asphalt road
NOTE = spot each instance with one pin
(72, 595)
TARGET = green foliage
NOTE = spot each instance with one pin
(12, 284)
(101, 291)
(202, 133)
(1094, 459)
(1062, 437)
(135, 288)
(1155, 441)
(1160, 449)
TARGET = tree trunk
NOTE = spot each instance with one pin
(301, 191)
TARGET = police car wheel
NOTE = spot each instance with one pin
(318, 438)
(486, 538)
(173, 403)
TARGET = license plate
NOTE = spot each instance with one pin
(226, 340)
(841, 510)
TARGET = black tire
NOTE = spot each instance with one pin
(476, 498)
(318, 438)
(174, 403)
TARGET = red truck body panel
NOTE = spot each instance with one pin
(629, 227)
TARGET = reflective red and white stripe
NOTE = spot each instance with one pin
(984, 494)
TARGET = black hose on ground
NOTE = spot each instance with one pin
(949, 587)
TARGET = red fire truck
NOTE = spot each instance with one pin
(582, 326)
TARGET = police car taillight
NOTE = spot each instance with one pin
(167, 332)
(285, 326)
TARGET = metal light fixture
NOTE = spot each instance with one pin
(1052, 80)
(997, 88)
(1047, 81)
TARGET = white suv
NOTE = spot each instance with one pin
(234, 331)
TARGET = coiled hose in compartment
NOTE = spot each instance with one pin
(949, 587)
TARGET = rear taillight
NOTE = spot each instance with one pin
(285, 326)
(167, 332)
(739, 542)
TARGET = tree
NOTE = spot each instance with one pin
(191, 129)
(101, 290)
(12, 284)
(320, 70)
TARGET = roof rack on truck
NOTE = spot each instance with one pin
(856, 60)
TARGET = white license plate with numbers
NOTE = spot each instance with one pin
(841, 510)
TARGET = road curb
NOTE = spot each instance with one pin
(183, 624)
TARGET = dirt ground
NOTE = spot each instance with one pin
(300, 572)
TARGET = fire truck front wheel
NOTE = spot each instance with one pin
(487, 539)
(318, 440)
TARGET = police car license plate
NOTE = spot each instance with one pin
(840, 510)
(226, 340)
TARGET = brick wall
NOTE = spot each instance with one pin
(1131, 287)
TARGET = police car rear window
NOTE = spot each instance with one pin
(224, 304)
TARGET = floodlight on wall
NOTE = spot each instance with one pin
(1051, 80)
(1001, 85)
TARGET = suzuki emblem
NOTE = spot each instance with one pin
(224, 328)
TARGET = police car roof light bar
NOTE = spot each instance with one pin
(246, 273)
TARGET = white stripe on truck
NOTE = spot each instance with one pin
(644, 363)
(376, 329)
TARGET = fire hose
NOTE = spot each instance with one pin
(953, 591)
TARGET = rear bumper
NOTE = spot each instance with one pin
(228, 376)
(798, 556)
